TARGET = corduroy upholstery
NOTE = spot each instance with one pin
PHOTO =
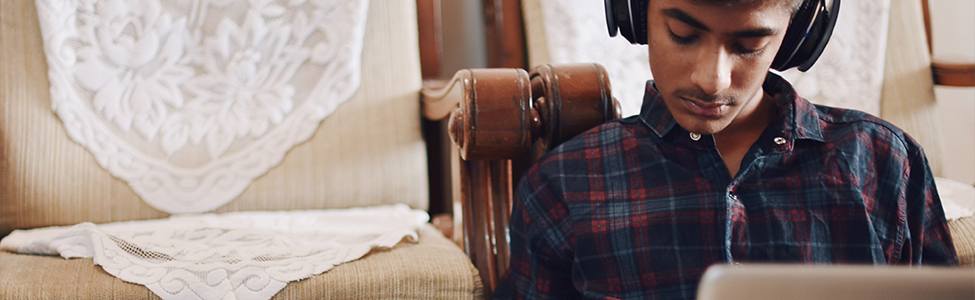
(963, 233)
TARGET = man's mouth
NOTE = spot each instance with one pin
(706, 109)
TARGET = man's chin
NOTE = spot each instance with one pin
(704, 127)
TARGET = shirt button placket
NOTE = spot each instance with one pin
(734, 209)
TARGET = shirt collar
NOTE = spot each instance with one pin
(797, 118)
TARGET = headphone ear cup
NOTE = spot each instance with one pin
(638, 13)
(629, 17)
(611, 18)
(807, 35)
(820, 35)
(794, 35)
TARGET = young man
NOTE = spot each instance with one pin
(724, 164)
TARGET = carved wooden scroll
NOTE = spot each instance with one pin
(500, 116)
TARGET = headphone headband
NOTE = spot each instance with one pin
(807, 35)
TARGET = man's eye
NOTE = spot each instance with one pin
(682, 39)
(748, 52)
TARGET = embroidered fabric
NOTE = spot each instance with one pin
(848, 74)
(189, 101)
(243, 255)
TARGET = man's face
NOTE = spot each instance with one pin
(709, 61)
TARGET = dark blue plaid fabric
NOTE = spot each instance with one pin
(636, 209)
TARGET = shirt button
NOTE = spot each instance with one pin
(779, 140)
(695, 136)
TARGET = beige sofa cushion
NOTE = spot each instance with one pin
(433, 268)
(368, 152)
(963, 235)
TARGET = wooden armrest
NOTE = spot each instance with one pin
(497, 113)
(490, 113)
(496, 116)
(953, 72)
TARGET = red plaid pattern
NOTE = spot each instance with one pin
(636, 209)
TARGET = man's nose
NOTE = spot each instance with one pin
(712, 71)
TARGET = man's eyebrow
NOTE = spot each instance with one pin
(684, 17)
(691, 21)
(755, 33)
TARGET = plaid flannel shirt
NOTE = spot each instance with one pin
(637, 208)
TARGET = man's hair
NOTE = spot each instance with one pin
(793, 4)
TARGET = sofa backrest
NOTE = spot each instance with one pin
(369, 151)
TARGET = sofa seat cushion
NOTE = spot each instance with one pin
(963, 235)
(433, 268)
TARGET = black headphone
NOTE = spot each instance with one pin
(804, 41)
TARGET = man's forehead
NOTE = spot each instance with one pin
(761, 13)
(755, 3)
(789, 6)
(754, 31)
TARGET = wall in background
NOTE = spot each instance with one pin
(953, 37)
(463, 36)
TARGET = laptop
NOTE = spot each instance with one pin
(797, 281)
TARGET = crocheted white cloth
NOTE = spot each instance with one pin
(958, 199)
(189, 101)
(243, 255)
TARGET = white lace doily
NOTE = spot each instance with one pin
(243, 255)
(849, 73)
(189, 101)
(957, 199)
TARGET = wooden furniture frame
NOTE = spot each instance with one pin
(505, 48)
(947, 72)
(501, 120)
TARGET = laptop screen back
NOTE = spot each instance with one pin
(795, 281)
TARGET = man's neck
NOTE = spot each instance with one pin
(735, 140)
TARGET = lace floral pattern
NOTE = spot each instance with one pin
(189, 101)
(849, 73)
(244, 255)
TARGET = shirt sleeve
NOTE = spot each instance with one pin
(929, 240)
(541, 261)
